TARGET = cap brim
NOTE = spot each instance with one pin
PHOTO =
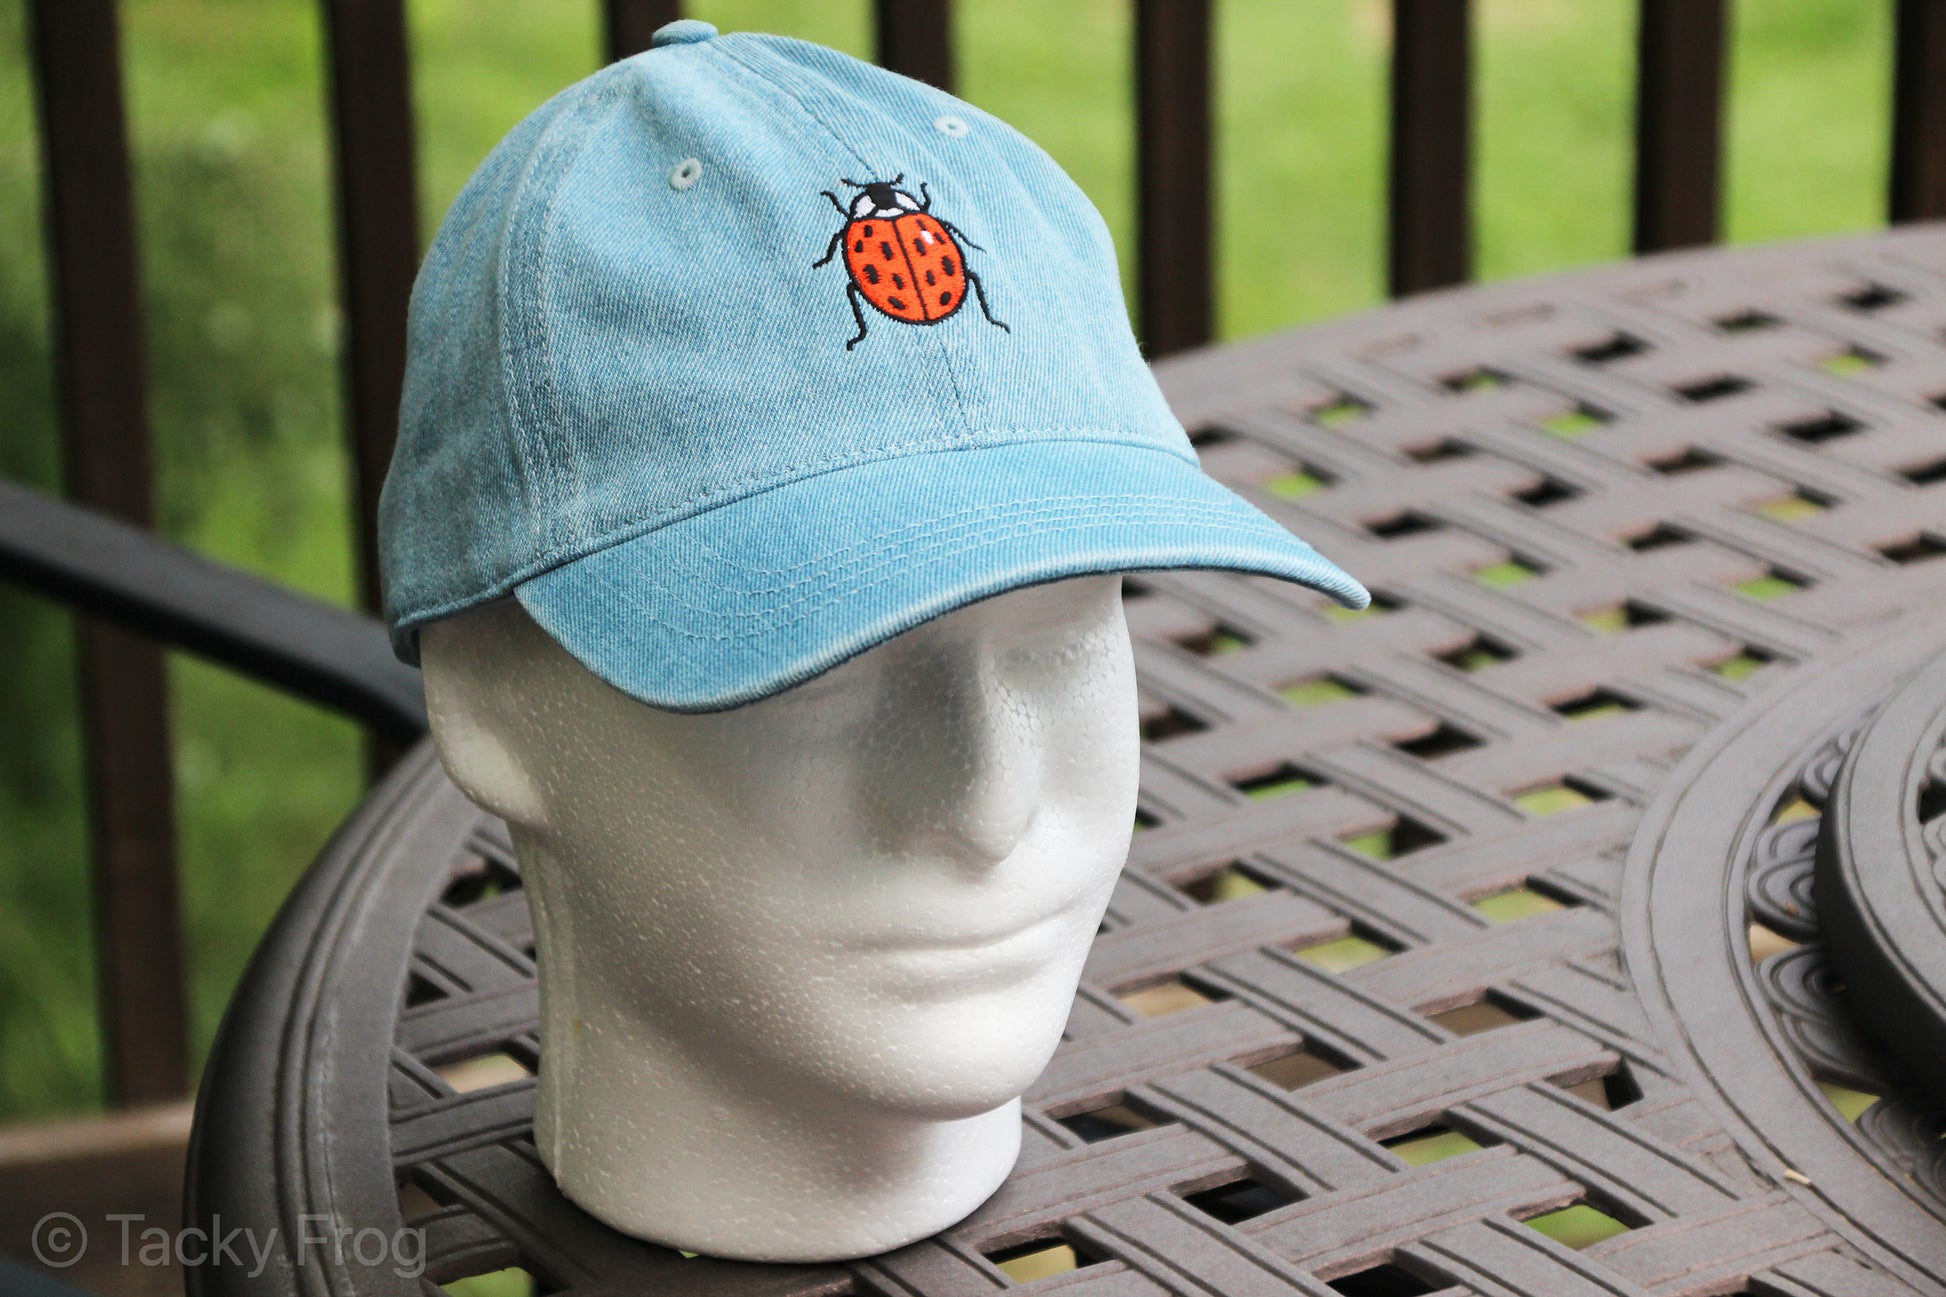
(745, 600)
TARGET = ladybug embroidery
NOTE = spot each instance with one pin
(905, 261)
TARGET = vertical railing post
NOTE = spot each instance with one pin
(123, 688)
(1678, 123)
(1174, 258)
(378, 239)
(915, 38)
(1919, 112)
(628, 24)
(1431, 224)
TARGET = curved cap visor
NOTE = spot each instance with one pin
(747, 599)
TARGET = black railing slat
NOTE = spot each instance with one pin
(915, 38)
(123, 689)
(1431, 219)
(1919, 112)
(1174, 258)
(628, 24)
(378, 238)
(1678, 123)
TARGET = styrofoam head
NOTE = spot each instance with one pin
(875, 890)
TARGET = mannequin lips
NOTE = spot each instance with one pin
(926, 970)
(984, 917)
(970, 942)
(1020, 947)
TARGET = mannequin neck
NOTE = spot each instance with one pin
(694, 1155)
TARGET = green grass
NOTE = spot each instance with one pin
(1578, 1226)
(1848, 362)
(1740, 667)
(1294, 485)
(1281, 784)
(1425, 1149)
(1316, 691)
(1850, 1103)
(1515, 904)
(1570, 424)
(1551, 800)
(1342, 954)
(227, 100)
(1790, 508)
(1511, 572)
(1767, 587)
(496, 1283)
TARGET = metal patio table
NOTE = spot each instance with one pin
(1568, 923)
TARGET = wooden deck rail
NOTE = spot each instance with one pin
(90, 235)
(104, 415)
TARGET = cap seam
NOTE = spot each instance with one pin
(725, 48)
(938, 340)
(772, 622)
(782, 77)
(530, 445)
(602, 101)
(1316, 572)
(668, 515)
(879, 548)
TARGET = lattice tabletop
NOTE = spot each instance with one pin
(1468, 945)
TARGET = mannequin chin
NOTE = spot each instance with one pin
(800, 958)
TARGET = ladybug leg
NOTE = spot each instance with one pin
(851, 295)
(837, 241)
(925, 199)
(980, 291)
(958, 233)
(842, 209)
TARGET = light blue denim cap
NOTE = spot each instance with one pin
(638, 401)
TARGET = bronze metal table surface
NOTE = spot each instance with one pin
(1493, 903)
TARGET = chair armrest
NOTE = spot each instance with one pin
(161, 591)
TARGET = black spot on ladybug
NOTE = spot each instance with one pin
(916, 242)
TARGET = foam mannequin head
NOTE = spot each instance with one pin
(799, 959)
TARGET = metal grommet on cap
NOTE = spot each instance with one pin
(684, 31)
(949, 125)
(686, 173)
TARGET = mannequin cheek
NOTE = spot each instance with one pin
(1094, 746)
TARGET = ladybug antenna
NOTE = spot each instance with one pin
(897, 180)
(853, 183)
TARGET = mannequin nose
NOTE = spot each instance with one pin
(966, 781)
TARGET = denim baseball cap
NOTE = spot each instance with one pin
(743, 356)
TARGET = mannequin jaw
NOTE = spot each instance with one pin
(822, 941)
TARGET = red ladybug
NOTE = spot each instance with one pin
(901, 258)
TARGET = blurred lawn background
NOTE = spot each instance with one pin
(227, 114)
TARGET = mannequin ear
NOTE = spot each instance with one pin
(470, 662)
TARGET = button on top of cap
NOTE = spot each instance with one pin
(683, 31)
